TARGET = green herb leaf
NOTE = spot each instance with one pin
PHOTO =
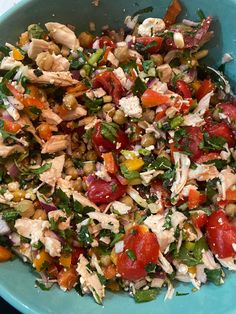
(84, 236)
(145, 295)
(131, 255)
(214, 276)
(77, 63)
(148, 64)
(35, 110)
(168, 225)
(10, 215)
(36, 31)
(160, 163)
(150, 45)
(93, 105)
(109, 131)
(201, 14)
(129, 175)
(128, 66)
(176, 121)
(218, 163)
(180, 294)
(142, 11)
(41, 169)
(139, 87)
(116, 239)
(150, 267)
(42, 286)
(5, 50)
(213, 142)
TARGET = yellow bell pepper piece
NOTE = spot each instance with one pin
(41, 259)
(17, 55)
(133, 164)
(65, 260)
(196, 85)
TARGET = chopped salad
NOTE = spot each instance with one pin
(117, 157)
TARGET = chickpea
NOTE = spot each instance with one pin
(25, 208)
(44, 61)
(71, 171)
(65, 51)
(88, 167)
(77, 185)
(40, 214)
(149, 115)
(122, 53)
(82, 148)
(105, 260)
(119, 117)
(127, 200)
(148, 140)
(86, 39)
(53, 48)
(107, 99)
(68, 163)
(109, 109)
(157, 59)
(19, 195)
(91, 155)
(69, 101)
(13, 186)
(230, 210)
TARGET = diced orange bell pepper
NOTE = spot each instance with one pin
(5, 254)
(17, 55)
(110, 271)
(231, 195)
(41, 259)
(193, 199)
(208, 157)
(150, 98)
(67, 279)
(45, 131)
(80, 87)
(11, 126)
(65, 260)
(109, 162)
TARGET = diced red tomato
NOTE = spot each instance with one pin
(11, 126)
(103, 145)
(222, 130)
(76, 251)
(183, 89)
(106, 41)
(191, 141)
(144, 247)
(193, 198)
(199, 219)
(206, 87)
(103, 192)
(229, 109)
(110, 83)
(150, 98)
(158, 188)
(146, 40)
(172, 12)
(220, 234)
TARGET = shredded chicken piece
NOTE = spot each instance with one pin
(55, 144)
(8, 63)
(36, 47)
(165, 265)
(84, 201)
(6, 151)
(52, 175)
(203, 172)
(51, 117)
(108, 221)
(25, 121)
(227, 179)
(56, 214)
(74, 114)
(56, 78)
(182, 163)
(62, 35)
(228, 263)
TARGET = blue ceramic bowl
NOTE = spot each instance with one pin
(16, 278)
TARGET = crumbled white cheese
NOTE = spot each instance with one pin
(4, 228)
(99, 92)
(8, 196)
(131, 106)
(151, 26)
(120, 74)
(131, 22)
(119, 247)
(114, 61)
(52, 246)
(120, 208)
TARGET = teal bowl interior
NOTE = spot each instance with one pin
(16, 278)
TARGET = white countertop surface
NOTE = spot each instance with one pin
(7, 4)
